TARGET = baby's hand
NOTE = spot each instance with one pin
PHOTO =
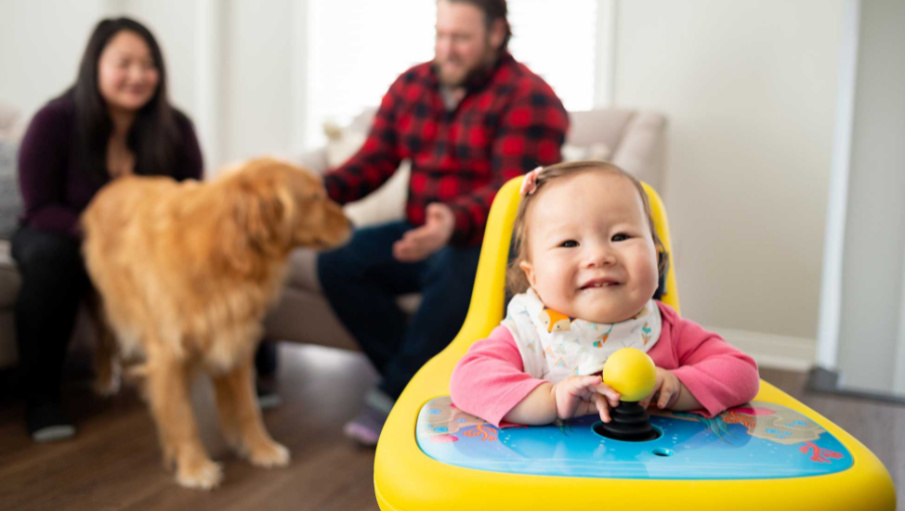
(582, 395)
(666, 390)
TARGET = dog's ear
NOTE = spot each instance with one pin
(234, 238)
(259, 221)
(267, 215)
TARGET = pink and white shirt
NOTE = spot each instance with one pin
(490, 380)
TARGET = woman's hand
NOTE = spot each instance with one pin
(582, 395)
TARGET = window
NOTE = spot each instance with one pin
(557, 41)
(356, 49)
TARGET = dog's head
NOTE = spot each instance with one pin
(276, 207)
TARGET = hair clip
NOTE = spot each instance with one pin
(529, 185)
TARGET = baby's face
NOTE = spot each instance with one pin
(590, 251)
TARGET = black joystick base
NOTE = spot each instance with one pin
(629, 422)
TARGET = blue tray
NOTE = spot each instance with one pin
(757, 441)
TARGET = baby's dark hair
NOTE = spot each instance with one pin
(516, 281)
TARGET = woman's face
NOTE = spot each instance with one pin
(127, 74)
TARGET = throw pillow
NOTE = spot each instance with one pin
(597, 151)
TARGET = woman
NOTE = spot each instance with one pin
(115, 120)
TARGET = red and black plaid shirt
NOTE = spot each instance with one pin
(506, 125)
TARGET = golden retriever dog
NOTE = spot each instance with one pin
(186, 272)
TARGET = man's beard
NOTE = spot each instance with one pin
(476, 74)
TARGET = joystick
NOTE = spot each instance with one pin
(632, 373)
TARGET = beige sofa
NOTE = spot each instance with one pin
(633, 140)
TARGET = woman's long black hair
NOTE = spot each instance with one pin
(154, 137)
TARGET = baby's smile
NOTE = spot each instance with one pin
(602, 282)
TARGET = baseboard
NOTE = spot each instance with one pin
(771, 350)
(827, 381)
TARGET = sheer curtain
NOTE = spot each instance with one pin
(356, 49)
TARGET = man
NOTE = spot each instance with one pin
(470, 120)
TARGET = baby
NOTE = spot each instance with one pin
(584, 274)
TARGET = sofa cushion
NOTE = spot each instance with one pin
(9, 278)
(642, 149)
(10, 197)
(605, 126)
(597, 152)
(9, 288)
(302, 271)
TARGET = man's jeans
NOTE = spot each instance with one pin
(361, 281)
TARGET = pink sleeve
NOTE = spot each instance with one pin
(489, 380)
(716, 373)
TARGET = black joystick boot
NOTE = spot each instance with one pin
(629, 422)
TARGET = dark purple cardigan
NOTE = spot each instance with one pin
(54, 189)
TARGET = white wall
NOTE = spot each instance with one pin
(257, 78)
(749, 88)
(41, 43)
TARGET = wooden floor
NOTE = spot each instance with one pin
(114, 461)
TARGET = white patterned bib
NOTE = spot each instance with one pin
(554, 346)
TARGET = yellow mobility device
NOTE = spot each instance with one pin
(773, 453)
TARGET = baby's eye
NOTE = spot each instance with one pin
(569, 244)
(621, 237)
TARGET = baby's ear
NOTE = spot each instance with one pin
(529, 271)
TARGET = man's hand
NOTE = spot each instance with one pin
(417, 244)
(581, 395)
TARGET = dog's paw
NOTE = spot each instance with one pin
(203, 475)
(269, 455)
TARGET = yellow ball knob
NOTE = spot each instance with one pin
(631, 373)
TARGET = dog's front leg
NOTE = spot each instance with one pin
(240, 417)
(167, 385)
